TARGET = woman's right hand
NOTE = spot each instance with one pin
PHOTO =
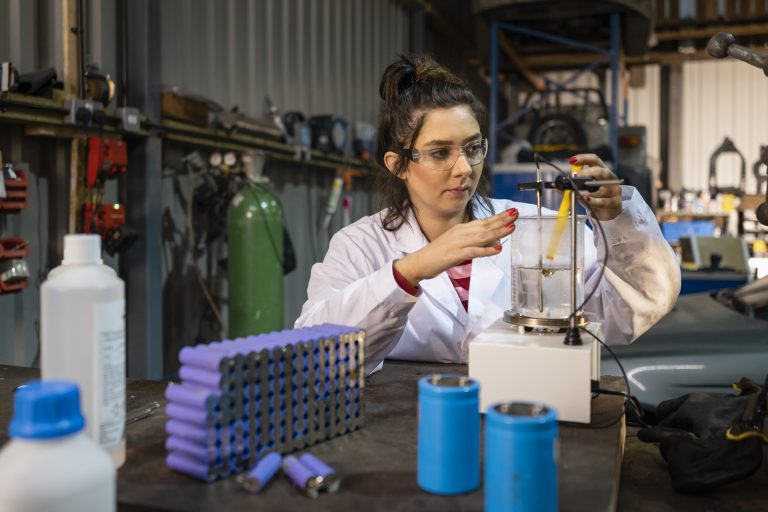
(462, 242)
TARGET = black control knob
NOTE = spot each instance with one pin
(83, 116)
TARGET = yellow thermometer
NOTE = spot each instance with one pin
(562, 218)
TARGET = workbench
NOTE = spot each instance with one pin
(377, 463)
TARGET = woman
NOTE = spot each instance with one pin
(424, 276)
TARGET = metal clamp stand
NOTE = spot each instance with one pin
(573, 336)
(574, 321)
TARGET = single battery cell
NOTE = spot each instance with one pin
(521, 457)
(262, 473)
(448, 434)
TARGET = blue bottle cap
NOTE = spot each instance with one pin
(46, 409)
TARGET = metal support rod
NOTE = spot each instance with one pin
(141, 191)
(574, 243)
(614, 110)
(494, 89)
(551, 37)
(539, 190)
(81, 31)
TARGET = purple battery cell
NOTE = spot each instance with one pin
(319, 467)
(260, 475)
(301, 476)
(279, 340)
(191, 467)
(192, 396)
(199, 356)
(193, 433)
(204, 378)
(208, 357)
(200, 452)
(328, 478)
(194, 415)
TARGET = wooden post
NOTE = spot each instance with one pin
(69, 78)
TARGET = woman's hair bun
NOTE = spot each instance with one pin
(411, 69)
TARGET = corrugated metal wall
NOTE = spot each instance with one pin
(29, 37)
(318, 57)
(644, 108)
(722, 99)
(30, 34)
(314, 56)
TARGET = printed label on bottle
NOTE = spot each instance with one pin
(109, 323)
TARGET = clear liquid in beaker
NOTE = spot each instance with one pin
(545, 292)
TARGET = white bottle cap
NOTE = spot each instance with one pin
(82, 249)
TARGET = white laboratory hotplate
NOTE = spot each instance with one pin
(513, 365)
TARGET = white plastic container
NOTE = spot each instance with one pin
(50, 465)
(82, 338)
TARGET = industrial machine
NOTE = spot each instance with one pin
(565, 121)
(536, 352)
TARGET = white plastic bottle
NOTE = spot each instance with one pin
(82, 338)
(50, 465)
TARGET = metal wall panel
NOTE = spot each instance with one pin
(315, 56)
(644, 109)
(722, 99)
(29, 34)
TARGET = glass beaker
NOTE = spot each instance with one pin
(541, 271)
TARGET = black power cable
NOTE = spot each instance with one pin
(628, 397)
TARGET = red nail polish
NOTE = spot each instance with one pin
(510, 225)
(588, 199)
(512, 212)
(498, 247)
(572, 160)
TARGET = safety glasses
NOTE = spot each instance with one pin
(443, 158)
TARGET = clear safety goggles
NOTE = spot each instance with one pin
(443, 158)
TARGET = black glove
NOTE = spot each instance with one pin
(692, 432)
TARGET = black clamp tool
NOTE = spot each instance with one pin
(567, 183)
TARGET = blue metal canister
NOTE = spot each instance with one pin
(449, 434)
(521, 455)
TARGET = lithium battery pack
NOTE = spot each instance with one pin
(278, 392)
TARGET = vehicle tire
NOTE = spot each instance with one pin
(557, 130)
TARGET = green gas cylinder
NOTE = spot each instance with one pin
(255, 270)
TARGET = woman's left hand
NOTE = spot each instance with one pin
(605, 202)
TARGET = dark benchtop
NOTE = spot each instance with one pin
(378, 462)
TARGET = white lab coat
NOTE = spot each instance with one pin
(354, 285)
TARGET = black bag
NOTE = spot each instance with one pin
(710, 439)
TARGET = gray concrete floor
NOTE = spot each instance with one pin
(645, 486)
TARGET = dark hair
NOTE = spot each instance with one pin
(410, 88)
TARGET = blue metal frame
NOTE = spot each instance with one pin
(611, 55)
